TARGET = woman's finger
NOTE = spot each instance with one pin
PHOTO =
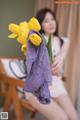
(55, 72)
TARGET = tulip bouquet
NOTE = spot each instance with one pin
(22, 30)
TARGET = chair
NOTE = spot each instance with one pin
(12, 95)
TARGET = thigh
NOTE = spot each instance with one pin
(51, 111)
(66, 104)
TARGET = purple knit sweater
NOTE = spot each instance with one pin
(38, 69)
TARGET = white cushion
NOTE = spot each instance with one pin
(15, 68)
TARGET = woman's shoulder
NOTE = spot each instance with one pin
(57, 39)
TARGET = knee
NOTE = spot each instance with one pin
(73, 116)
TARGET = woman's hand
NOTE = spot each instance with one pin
(57, 65)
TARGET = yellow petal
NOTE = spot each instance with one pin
(23, 48)
(21, 39)
(12, 35)
(24, 29)
(25, 24)
(14, 28)
(34, 24)
(35, 39)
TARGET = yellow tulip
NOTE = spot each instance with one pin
(21, 32)
(34, 24)
(35, 39)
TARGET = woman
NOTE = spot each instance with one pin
(60, 107)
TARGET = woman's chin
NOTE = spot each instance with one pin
(51, 31)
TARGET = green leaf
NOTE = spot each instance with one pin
(49, 47)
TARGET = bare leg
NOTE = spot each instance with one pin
(51, 111)
(65, 102)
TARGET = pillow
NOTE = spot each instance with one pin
(17, 69)
(14, 68)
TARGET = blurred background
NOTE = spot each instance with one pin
(13, 11)
(68, 17)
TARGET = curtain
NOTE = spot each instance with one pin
(39, 4)
(78, 64)
(68, 17)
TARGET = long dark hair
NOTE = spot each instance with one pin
(41, 16)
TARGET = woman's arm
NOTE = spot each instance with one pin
(65, 48)
(59, 60)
